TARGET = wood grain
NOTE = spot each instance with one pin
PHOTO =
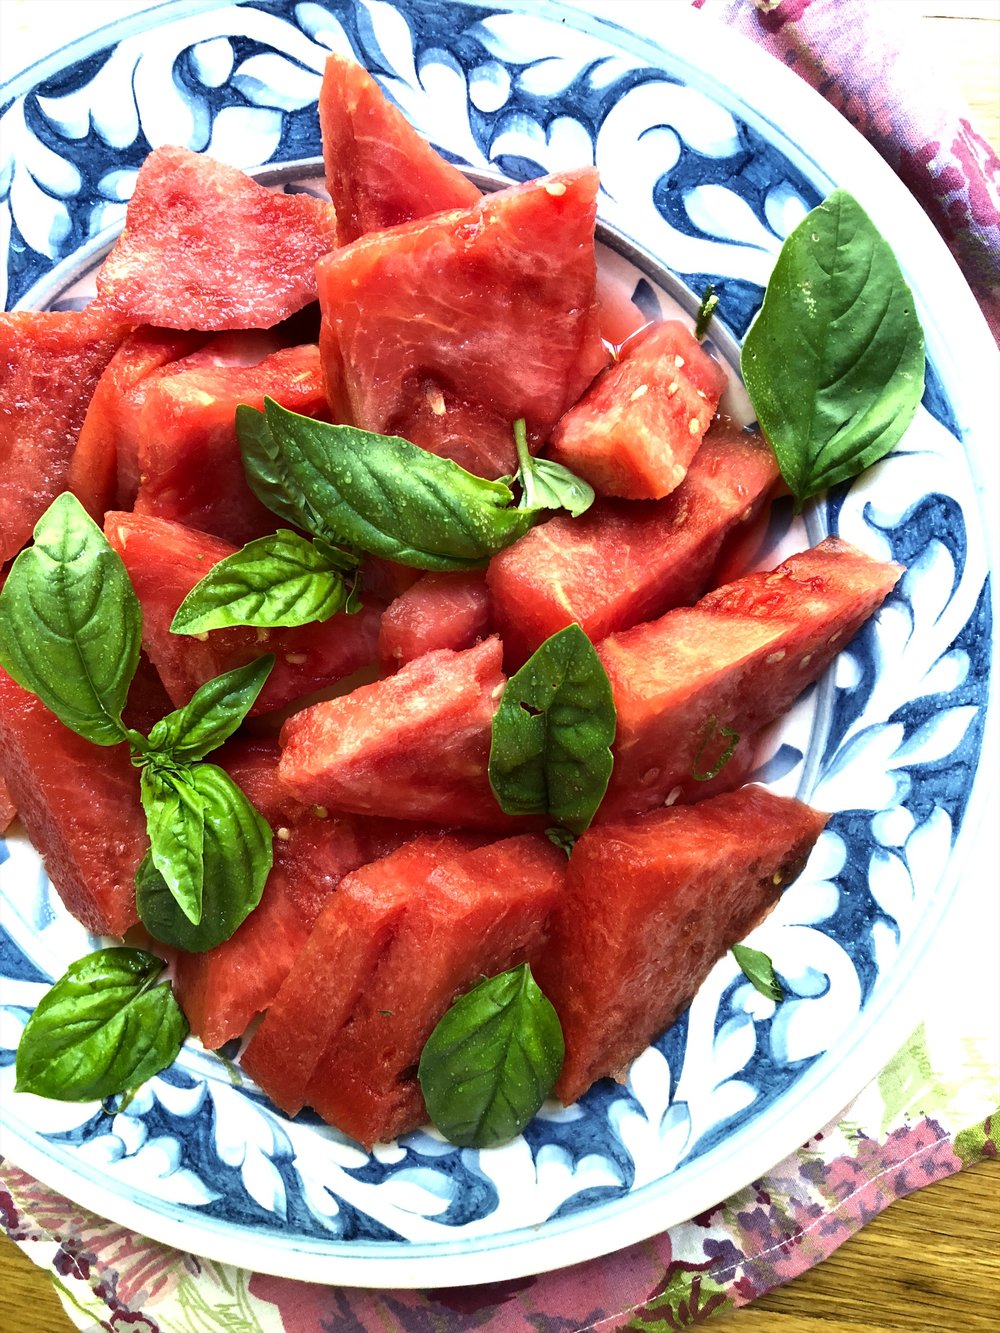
(930, 1262)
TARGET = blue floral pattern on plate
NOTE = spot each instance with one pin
(889, 740)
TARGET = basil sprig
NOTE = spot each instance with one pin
(70, 623)
(276, 582)
(491, 1061)
(545, 484)
(550, 751)
(104, 1027)
(759, 971)
(706, 309)
(834, 362)
(70, 631)
(378, 493)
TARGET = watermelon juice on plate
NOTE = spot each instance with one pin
(889, 751)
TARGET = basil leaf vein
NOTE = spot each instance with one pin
(70, 623)
(102, 1028)
(550, 751)
(759, 971)
(491, 1061)
(834, 362)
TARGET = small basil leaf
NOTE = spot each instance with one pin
(550, 751)
(275, 582)
(103, 1028)
(712, 745)
(70, 624)
(491, 1061)
(237, 860)
(709, 301)
(561, 838)
(175, 821)
(387, 496)
(211, 715)
(834, 362)
(759, 971)
(545, 484)
(269, 477)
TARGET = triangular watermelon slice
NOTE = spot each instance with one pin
(689, 882)
(440, 610)
(165, 560)
(379, 171)
(52, 362)
(448, 329)
(206, 247)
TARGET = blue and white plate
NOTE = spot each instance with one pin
(700, 182)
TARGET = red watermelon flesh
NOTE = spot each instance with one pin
(222, 990)
(636, 431)
(8, 810)
(50, 364)
(350, 935)
(622, 562)
(190, 466)
(416, 743)
(79, 804)
(447, 329)
(438, 611)
(206, 247)
(470, 916)
(686, 885)
(165, 560)
(732, 663)
(379, 171)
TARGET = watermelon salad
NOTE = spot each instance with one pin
(381, 674)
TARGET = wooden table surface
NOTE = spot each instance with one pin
(931, 1262)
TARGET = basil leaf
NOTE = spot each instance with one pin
(545, 484)
(562, 838)
(274, 582)
(834, 362)
(389, 497)
(211, 715)
(550, 751)
(712, 741)
(709, 301)
(103, 1028)
(175, 821)
(759, 971)
(237, 860)
(491, 1061)
(269, 477)
(70, 624)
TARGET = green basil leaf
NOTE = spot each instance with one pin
(387, 496)
(550, 751)
(709, 301)
(545, 484)
(175, 821)
(759, 971)
(834, 362)
(103, 1028)
(718, 745)
(562, 838)
(70, 624)
(211, 715)
(491, 1061)
(237, 860)
(275, 582)
(269, 477)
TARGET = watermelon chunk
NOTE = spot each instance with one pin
(51, 364)
(732, 663)
(636, 430)
(438, 611)
(221, 990)
(190, 466)
(79, 804)
(416, 743)
(485, 911)
(350, 936)
(379, 171)
(165, 560)
(8, 810)
(447, 329)
(206, 247)
(689, 882)
(621, 562)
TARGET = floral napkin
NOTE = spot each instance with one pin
(932, 1110)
